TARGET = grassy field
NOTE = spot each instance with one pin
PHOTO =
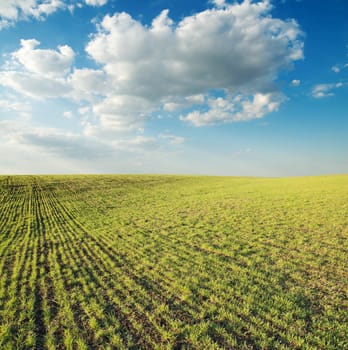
(169, 262)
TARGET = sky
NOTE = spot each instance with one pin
(254, 88)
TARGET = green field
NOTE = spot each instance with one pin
(173, 262)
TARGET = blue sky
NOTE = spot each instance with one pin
(190, 87)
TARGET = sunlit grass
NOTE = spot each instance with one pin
(170, 262)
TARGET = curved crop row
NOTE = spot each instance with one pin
(166, 262)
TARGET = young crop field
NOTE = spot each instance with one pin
(173, 262)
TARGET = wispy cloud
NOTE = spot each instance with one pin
(325, 90)
(12, 11)
(173, 139)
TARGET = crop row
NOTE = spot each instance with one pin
(116, 262)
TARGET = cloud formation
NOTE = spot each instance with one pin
(39, 73)
(238, 108)
(12, 11)
(238, 49)
(34, 86)
(96, 2)
(216, 66)
(47, 63)
(21, 136)
(325, 90)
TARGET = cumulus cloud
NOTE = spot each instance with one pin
(236, 51)
(236, 48)
(122, 112)
(325, 90)
(50, 63)
(213, 49)
(172, 106)
(14, 10)
(233, 109)
(47, 73)
(335, 69)
(38, 73)
(34, 86)
(87, 84)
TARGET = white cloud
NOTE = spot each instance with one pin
(21, 137)
(96, 2)
(126, 112)
(197, 55)
(46, 8)
(236, 49)
(14, 10)
(195, 99)
(325, 90)
(48, 63)
(88, 84)
(295, 82)
(218, 3)
(335, 69)
(182, 103)
(68, 144)
(38, 73)
(34, 86)
(172, 106)
(168, 63)
(234, 109)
